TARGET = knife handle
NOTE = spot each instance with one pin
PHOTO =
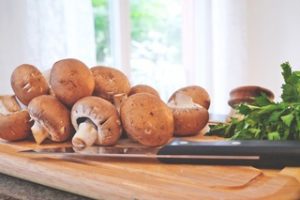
(261, 154)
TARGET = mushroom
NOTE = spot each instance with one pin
(96, 121)
(110, 84)
(247, 94)
(143, 89)
(14, 123)
(28, 82)
(189, 118)
(46, 74)
(15, 126)
(198, 94)
(147, 119)
(51, 119)
(9, 104)
(71, 80)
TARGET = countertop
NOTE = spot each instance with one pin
(17, 189)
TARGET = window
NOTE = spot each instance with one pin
(156, 44)
(154, 52)
(102, 37)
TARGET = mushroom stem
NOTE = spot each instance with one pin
(39, 132)
(86, 135)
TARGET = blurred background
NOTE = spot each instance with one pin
(217, 44)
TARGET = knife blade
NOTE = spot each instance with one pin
(257, 153)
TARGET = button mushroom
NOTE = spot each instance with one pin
(8, 104)
(199, 95)
(189, 118)
(15, 126)
(96, 121)
(14, 123)
(51, 119)
(247, 94)
(71, 80)
(110, 84)
(147, 119)
(46, 74)
(28, 82)
(143, 89)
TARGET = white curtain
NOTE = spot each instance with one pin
(215, 57)
(240, 42)
(40, 32)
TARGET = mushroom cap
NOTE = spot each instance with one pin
(247, 94)
(198, 94)
(28, 82)
(143, 89)
(50, 113)
(147, 119)
(189, 118)
(71, 80)
(104, 116)
(9, 104)
(109, 82)
(15, 126)
(46, 74)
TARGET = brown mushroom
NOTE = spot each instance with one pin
(143, 89)
(71, 80)
(51, 119)
(147, 119)
(189, 118)
(247, 94)
(96, 121)
(109, 82)
(15, 126)
(46, 74)
(28, 82)
(198, 94)
(8, 104)
(14, 123)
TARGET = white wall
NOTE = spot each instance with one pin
(249, 40)
(273, 38)
(42, 32)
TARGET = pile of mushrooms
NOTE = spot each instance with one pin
(95, 106)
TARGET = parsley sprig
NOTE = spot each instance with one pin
(267, 120)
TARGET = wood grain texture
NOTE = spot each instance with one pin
(147, 179)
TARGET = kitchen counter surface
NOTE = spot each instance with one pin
(17, 189)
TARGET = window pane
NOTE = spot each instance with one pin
(101, 20)
(156, 44)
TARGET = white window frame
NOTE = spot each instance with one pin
(120, 34)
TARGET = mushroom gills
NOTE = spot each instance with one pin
(39, 132)
(86, 135)
(182, 100)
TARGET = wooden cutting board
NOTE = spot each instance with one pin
(147, 179)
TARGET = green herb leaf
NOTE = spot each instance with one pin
(264, 119)
(274, 136)
(287, 119)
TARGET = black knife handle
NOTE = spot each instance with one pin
(257, 153)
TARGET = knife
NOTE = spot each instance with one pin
(257, 153)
